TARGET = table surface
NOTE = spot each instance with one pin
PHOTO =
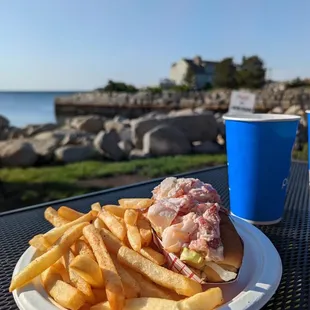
(291, 237)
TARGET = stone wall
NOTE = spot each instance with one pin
(275, 95)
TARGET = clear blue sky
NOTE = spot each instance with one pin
(80, 44)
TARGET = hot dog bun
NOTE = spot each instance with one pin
(233, 247)
(233, 250)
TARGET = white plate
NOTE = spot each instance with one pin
(258, 278)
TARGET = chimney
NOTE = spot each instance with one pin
(197, 61)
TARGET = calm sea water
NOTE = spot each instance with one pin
(23, 108)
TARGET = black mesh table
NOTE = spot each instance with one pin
(291, 237)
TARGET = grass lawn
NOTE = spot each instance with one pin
(23, 187)
(28, 186)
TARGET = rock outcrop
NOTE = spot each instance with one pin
(45, 148)
(196, 127)
(165, 140)
(107, 144)
(17, 153)
(74, 153)
(32, 130)
(4, 122)
(88, 123)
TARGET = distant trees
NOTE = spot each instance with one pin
(249, 74)
(154, 89)
(298, 82)
(207, 86)
(181, 88)
(225, 74)
(118, 87)
(190, 79)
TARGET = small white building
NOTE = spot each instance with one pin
(202, 69)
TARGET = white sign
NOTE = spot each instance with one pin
(241, 102)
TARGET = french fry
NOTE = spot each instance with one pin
(49, 275)
(62, 270)
(77, 281)
(99, 223)
(53, 235)
(82, 248)
(207, 300)
(39, 242)
(134, 237)
(69, 214)
(130, 216)
(52, 216)
(116, 210)
(113, 283)
(131, 286)
(148, 288)
(145, 231)
(67, 295)
(153, 256)
(126, 242)
(116, 227)
(47, 259)
(96, 207)
(64, 294)
(173, 295)
(100, 295)
(88, 269)
(144, 303)
(83, 239)
(135, 203)
(101, 306)
(112, 243)
(160, 275)
(121, 220)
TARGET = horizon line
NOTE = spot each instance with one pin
(43, 90)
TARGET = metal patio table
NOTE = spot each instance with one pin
(291, 237)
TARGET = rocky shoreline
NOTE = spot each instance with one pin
(186, 131)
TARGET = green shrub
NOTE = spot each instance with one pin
(298, 83)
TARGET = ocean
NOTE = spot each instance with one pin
(23, 108)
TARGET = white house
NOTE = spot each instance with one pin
(203, 70)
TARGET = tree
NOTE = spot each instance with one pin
(251, 73)
(190, 78)
(154, 90)
(181, 88)
(225, 74)
(298, 82)
(207, 86)
(118, 87)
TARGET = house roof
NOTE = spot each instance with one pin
(199, 69)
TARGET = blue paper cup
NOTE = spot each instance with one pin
(259, 152)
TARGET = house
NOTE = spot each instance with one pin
(202, 70)
(166, 83)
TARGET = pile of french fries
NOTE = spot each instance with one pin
(106, 259)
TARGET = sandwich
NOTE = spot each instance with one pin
(189, 220)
